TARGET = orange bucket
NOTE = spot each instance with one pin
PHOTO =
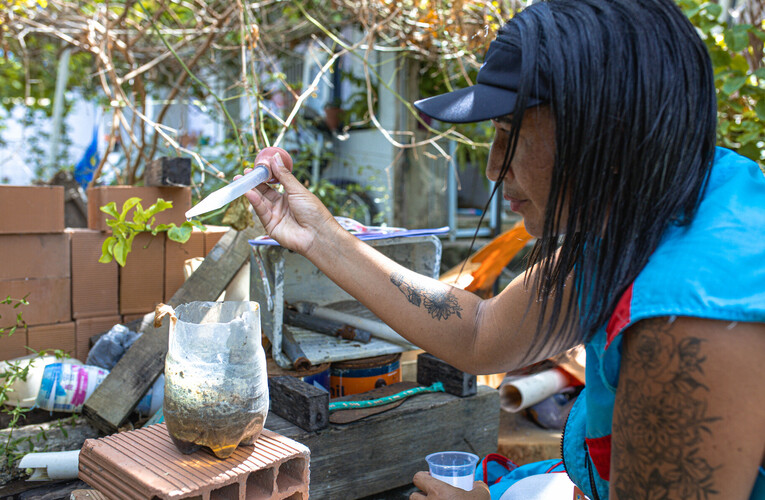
(362, 375)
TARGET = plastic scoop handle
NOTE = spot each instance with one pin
(229, 193)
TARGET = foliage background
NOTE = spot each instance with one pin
(124, 51)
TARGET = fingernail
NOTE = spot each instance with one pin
(278, 160)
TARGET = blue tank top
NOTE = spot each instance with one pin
(689, 274)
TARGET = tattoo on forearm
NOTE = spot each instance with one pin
(664, 419)
(439, 303)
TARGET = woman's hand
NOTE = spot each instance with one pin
(433, 488)
(295, 217)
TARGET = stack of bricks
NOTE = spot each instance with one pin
(35, 265)
(71, 295)
(145, 464)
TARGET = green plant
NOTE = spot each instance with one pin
(10, 373)
(119, 245)
(737, 57)
(16, 303)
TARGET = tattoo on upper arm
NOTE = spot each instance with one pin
(663, 418)
(439, 303)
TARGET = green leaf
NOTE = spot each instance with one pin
(127, 206)
(737, 38)
(139, 215)
(180, 234)
(739, 63)
(750, 150)
(106, 250)
(760, 110)
(121, 250)
(712, 10)
(159, 206)
(760, 73)
(692, 11)
(110, 209)
(733, 83)
(720, 59)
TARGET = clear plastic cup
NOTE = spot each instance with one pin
(453, 467)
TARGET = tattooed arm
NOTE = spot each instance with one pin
(475, 335)
(478, 336)
(689, 416)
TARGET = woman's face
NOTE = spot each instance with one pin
(527, 182)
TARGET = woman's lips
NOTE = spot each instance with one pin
(515, 203)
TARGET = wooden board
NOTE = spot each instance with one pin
(432, 369)
(111, 403)
(298, 402)
(384, 451)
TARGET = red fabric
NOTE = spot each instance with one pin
(550, 470)
(600, 452)
(501, 460)
(621, 316)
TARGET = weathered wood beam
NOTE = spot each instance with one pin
(430, 369)
(298, 402)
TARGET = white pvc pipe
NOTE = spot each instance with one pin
(520, 393)
(51, 465)
(376, 328)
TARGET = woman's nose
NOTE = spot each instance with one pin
(494, 166)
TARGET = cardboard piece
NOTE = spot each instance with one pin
(50, 337)
(13, 346)
(86, 328)
(49, 301)
(34, 256)
(31, 209)
(94, 285)
(176, 255)
(142, 280)
(102, 195)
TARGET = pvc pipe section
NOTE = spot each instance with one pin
(519, 393)
(51, 465)
(376, 328)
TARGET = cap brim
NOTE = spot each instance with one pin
(471, 104)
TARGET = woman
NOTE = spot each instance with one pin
(650, 250)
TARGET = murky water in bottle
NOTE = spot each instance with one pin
(216, 387)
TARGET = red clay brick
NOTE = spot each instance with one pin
(145, 464)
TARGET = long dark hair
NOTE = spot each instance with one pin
(633, 99)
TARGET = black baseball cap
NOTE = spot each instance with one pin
(495, 92)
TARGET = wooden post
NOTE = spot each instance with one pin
(168, 172)
(431, 369)
(300, 403)
(112, 401)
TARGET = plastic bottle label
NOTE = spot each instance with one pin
(66, 387)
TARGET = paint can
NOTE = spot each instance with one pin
(362, 375)
(319, 380)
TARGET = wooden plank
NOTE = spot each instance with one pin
(111, 403)
(430, 369)
(384, 451)
(300, 403)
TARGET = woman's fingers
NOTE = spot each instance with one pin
(270, 157)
